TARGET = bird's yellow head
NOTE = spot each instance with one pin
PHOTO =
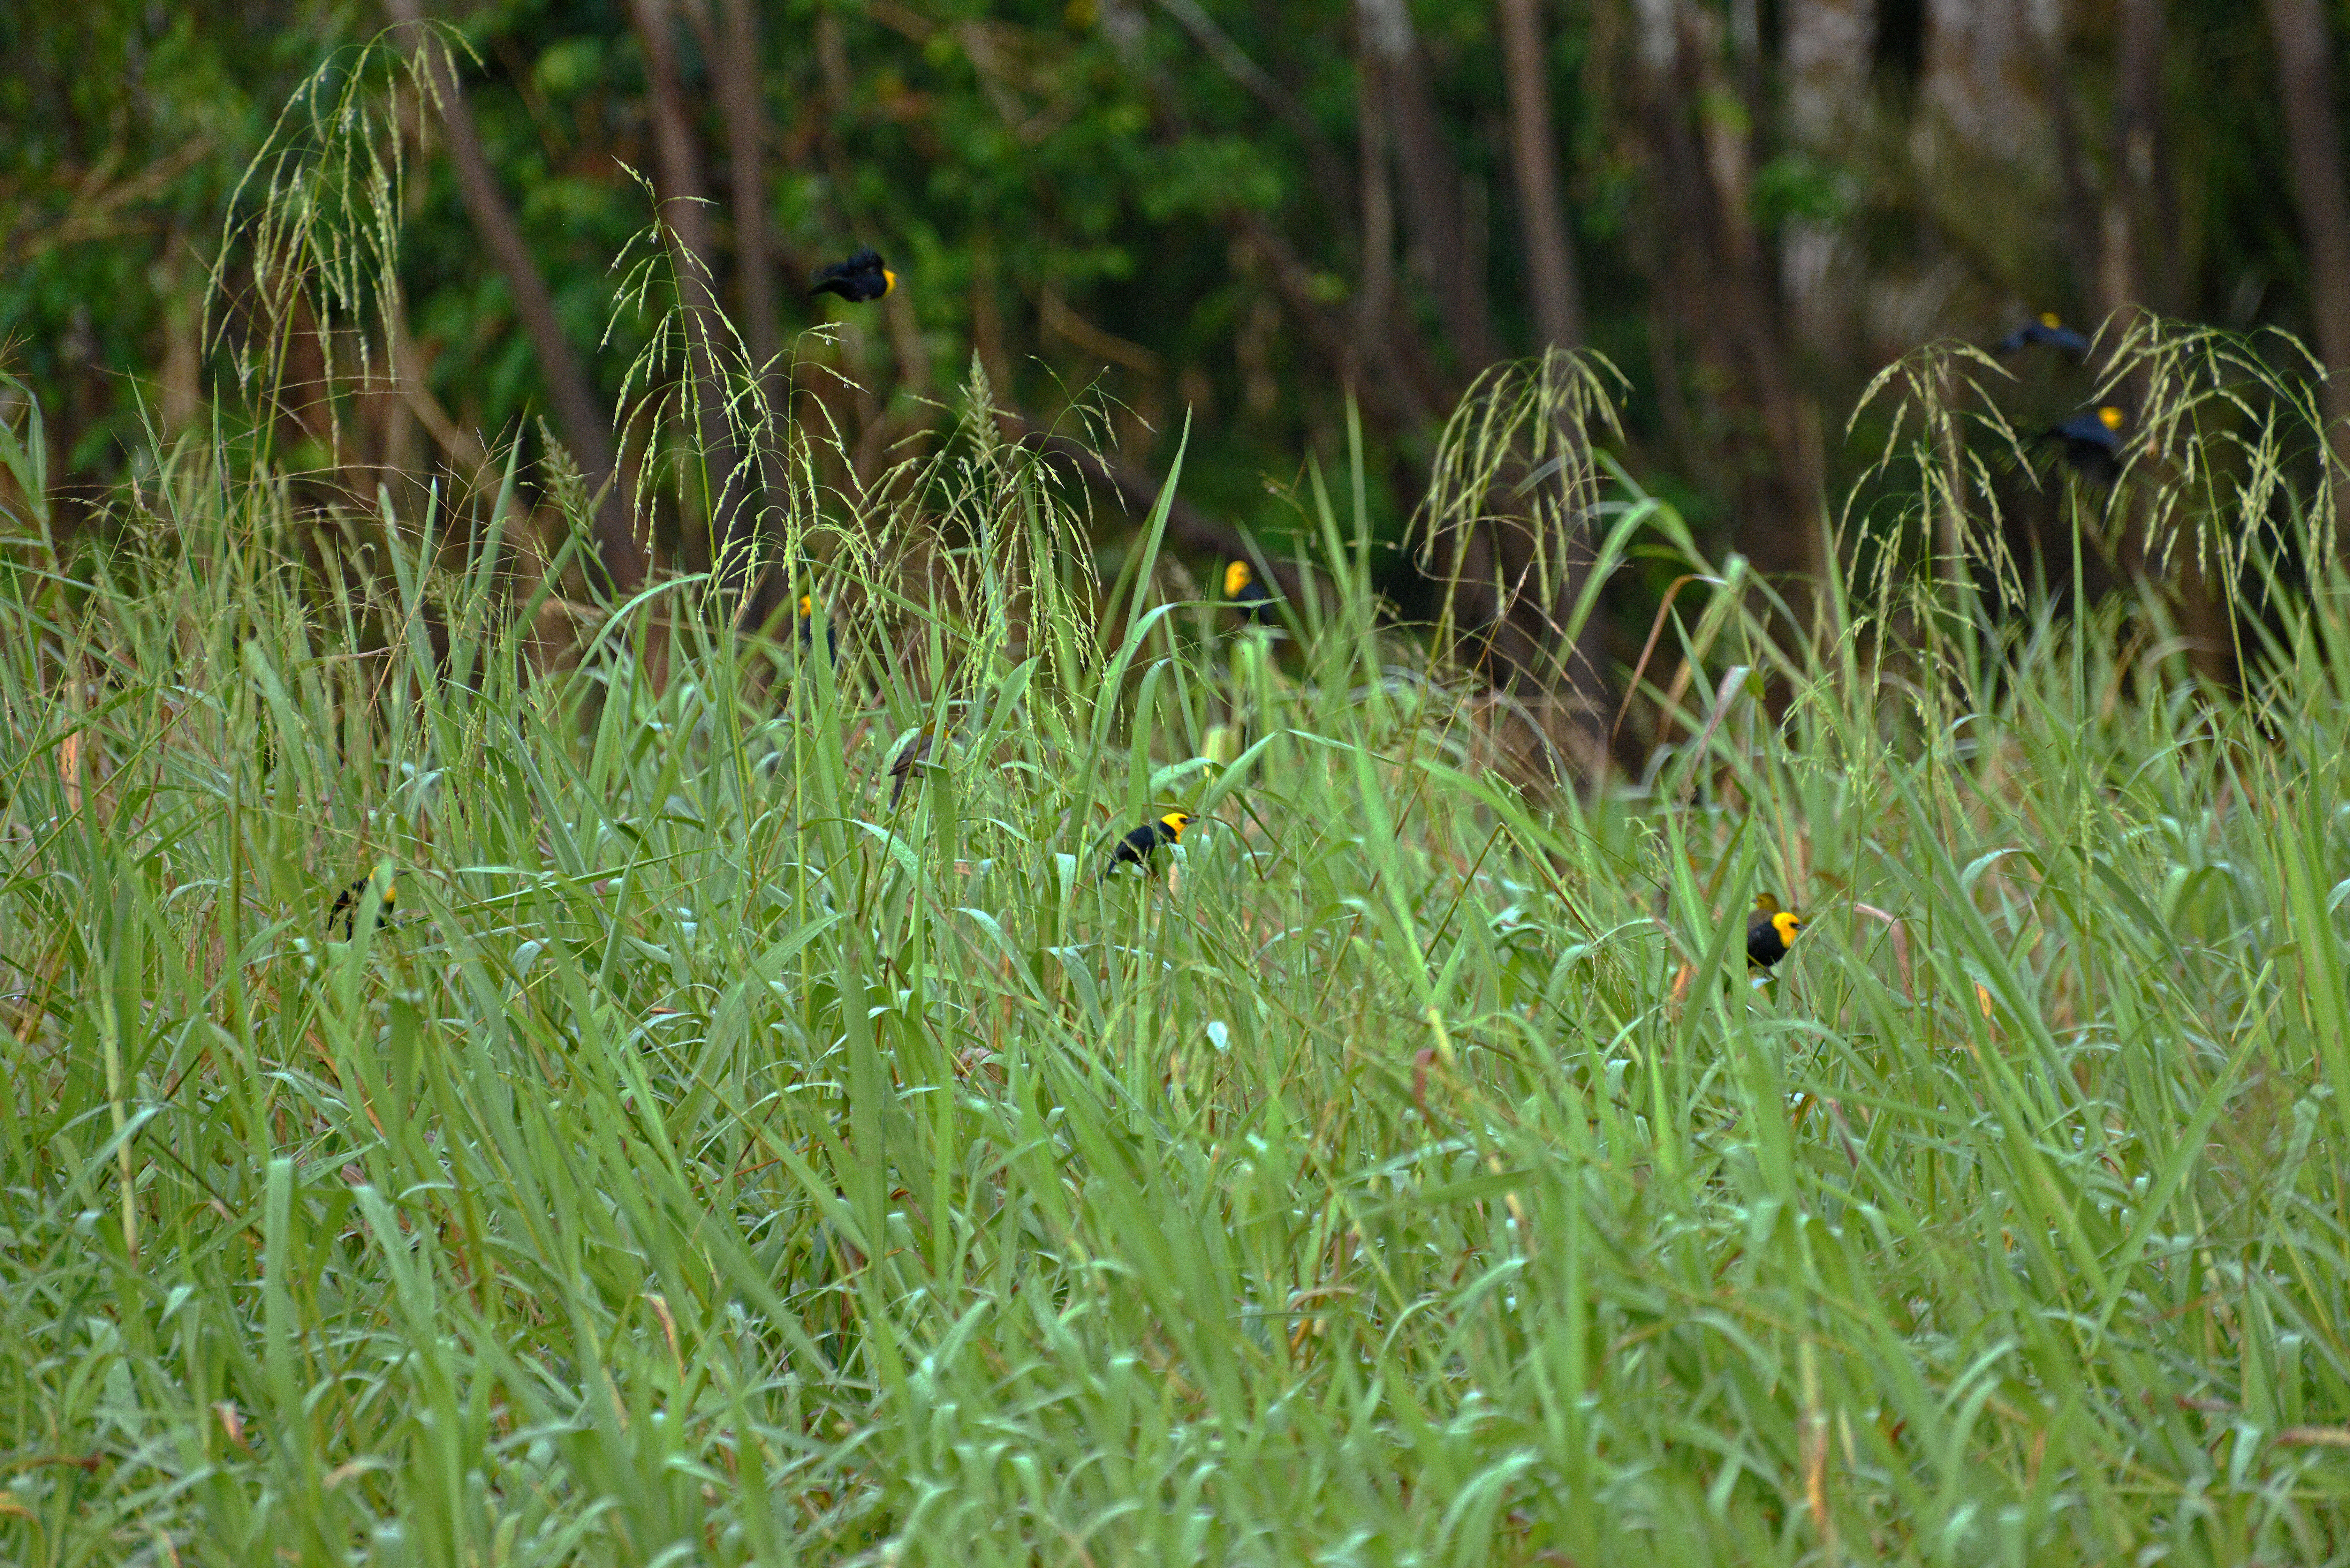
(2110, 417)
(1786, 922)
(888, 281)
(2048, 320)
(1175, 823)
(808, 605)
(1236, 576)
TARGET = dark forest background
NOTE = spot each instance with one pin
(1256, 215)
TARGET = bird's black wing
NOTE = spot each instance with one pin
(2041, 333)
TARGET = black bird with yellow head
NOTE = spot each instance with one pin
(1246, 594)
(805, 621)
(2092, 443)
(1769, 932)
(1137, 847)
(2048, 331)
(860, 280)
(352, 904)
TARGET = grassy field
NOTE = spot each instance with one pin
(712, 1165)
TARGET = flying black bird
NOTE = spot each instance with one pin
(2048, 332)
(1769, 932)
(2092, 443)
(1247, 595)
(859, 280)
(1136, 847)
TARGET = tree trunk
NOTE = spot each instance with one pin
(2141, 221)
(1431, 179)
(585, 430)
(736, 62)
(2304, 50)
(1826, 56)
(2142, 226)
(685, 213)
(1712, 263)
(1826, 48)
(2081, 231)
(1557, 294)
(1534, 156)
(737, 66)
(1375, 290)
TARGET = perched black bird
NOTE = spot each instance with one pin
(2048, 332)
(1136, 847)
(353, 898)
(2092, 443)
(1247, 595)
(860, 280)
(807, 620)
(1769, 932)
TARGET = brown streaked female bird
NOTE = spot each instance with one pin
(1769, 932)
(910, 760)
(1136, 847)
(860, 280)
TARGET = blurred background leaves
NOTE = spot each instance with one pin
(1243, 211)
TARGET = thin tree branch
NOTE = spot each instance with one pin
(585, 428)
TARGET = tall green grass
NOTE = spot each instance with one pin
(712, 1165)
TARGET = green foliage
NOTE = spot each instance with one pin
(126, 127)
(1796, 187)
(713, 1165)
(1055, 177)
(715, 1160)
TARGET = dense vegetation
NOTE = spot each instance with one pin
(1232, 212)
(712, 1163)
(717, 1156)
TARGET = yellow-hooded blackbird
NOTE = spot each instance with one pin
(1769, 932)
(1247, 595)
(1135, 848)
(806, 621)
(859, 280)
(353, 898)
(2092, 443)
(2048, 332)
